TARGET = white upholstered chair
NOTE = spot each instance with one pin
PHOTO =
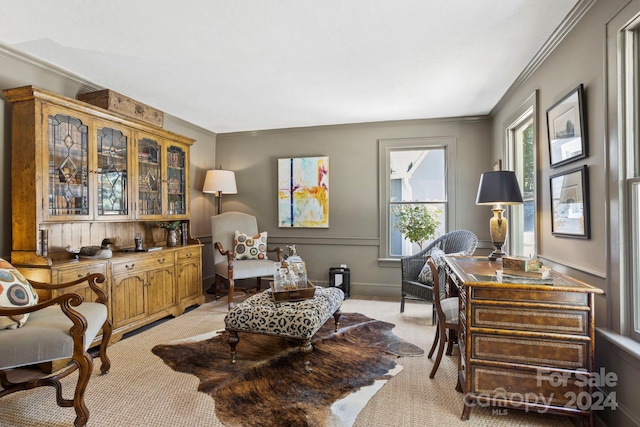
(227, 266)
(60, 328)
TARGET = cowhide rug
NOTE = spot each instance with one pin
(268, 385)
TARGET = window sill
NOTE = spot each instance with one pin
(624, 343)
(389, 262)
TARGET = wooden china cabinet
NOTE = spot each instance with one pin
(81, 174)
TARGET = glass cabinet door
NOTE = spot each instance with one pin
(112, 171)
(176, 197)
(68, 185)
(149, 177)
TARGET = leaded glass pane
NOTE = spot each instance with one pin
(149, 179)
(176, 181)
(68, 184)
(112, 172)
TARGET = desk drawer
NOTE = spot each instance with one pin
(142, 263)
(573, 322)
(565, 354)
(515, 384)
(503, 293)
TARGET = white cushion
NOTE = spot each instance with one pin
(247, 268)
(450, 309)
(46, 336)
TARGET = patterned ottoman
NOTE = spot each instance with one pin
(259, 314)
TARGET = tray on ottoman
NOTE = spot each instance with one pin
(293, 294)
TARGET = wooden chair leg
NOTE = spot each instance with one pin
(105, 363)
(402, 303)
(85, 367)
(443, 338)
(433, 314)
(258, 284)
(232, 289)
(450, 342)
(435, 342)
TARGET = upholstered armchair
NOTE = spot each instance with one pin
(414, 285)
(63, 327)
(240, 251)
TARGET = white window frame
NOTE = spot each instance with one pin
(385, 147)
(527, 111)
(629, 177)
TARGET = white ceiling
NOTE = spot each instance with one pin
(240, 65)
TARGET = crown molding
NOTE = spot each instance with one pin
(569, 22)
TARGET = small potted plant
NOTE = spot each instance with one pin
(172, 231)
(418, 223)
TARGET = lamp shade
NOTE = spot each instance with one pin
(499, 187)
(220, 181)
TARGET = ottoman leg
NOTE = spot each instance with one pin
(233, 342)
(336, 317)
(306, 348)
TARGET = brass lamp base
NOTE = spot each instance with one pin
(496, 255)
(498, 232)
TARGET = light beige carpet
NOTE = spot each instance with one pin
(141, 390)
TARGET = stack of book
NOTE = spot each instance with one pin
(520, 270)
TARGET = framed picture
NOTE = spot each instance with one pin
(570, 203)
(303, 192)
(566, 126)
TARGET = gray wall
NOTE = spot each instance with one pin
(581, 58)
(353, 234)
(17, 70)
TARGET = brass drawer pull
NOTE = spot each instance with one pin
(161, 261)
(130, 267)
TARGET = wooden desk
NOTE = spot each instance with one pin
(523, 346)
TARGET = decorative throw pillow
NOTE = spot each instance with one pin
(15, 291)
(250, 247)
(425, 275)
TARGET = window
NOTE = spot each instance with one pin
(521, 149)
(414, 173)
(629, 174)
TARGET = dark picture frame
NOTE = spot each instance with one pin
(566, 129)
(570, 203)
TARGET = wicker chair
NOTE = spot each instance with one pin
(459, 241)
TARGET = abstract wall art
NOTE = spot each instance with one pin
(303, 192)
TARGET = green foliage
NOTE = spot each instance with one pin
(418, 223)
(173, 225)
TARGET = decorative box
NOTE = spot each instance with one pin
(113, 101)
(293, 294)
(521, 263)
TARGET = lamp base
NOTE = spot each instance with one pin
(496, 255)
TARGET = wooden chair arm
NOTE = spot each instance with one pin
(278, 252)
(65, 301)
(92, 279)
(230, 255)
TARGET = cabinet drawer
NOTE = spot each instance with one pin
(142, 263)
(537, 386)
(527, 319)
(71, 274)
(534, 351)
(189, 254)
(528, 295)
